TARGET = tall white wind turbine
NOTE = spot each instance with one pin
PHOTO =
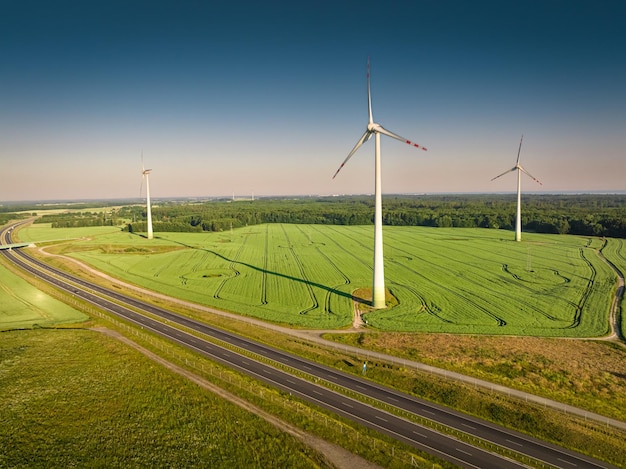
(518, 167)
(378, 288)
(144, 175)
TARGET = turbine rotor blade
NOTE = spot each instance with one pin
(506, 172)
(382, 130)
(530, 175)
(369, 94)
(143, 174)
(364, 138)
(519, 149)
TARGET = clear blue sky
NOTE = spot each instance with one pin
(269, 97)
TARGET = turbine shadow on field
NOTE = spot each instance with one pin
(278, 274)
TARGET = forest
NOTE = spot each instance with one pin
(583, 214)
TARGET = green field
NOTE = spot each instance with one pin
(76, 398)
(24, 306)
(615, 252)
(444, 279)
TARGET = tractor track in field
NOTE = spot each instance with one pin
(499, 321)
(315, 304)
(614, 313)
(232, 266)
(327, 296)
(365, 264)
(265, 264)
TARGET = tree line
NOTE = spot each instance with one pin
(588, 214)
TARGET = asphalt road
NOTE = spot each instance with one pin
(419, 437)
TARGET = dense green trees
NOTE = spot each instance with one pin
(81, 219)
(587, 214)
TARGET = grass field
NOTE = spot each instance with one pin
(75, 398)
(445, 280)
(615, 251)
(24, 306)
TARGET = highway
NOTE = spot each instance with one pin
(419, 437)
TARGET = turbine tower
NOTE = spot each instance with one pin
(518, 167)
(144, 175)
(378, 288)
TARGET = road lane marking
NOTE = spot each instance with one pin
(464, 452)
(567, 462)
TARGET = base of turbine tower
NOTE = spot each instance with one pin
(363, 304)
(378, 300)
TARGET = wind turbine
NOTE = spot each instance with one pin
(144, 175)
(518, 167)
(378, 288)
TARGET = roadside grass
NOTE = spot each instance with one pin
(455, 280)
(587, 374)
(577, 433)
(23, 305)
(77, 398)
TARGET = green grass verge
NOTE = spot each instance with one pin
(22, 305)
(77, 398)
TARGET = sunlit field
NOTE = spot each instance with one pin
(444, 279)
(76, 398)
(24, 306)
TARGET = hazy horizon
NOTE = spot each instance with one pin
(268, 98)
(252, 197)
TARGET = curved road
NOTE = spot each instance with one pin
(422, 438)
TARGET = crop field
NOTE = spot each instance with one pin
(444, 279)
(615, 251)
(76, 398)
(24, 306)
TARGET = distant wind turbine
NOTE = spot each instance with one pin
(378, 289)
(144, 175)
(518, 167)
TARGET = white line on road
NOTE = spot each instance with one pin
(567, 462)
(464, 452)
